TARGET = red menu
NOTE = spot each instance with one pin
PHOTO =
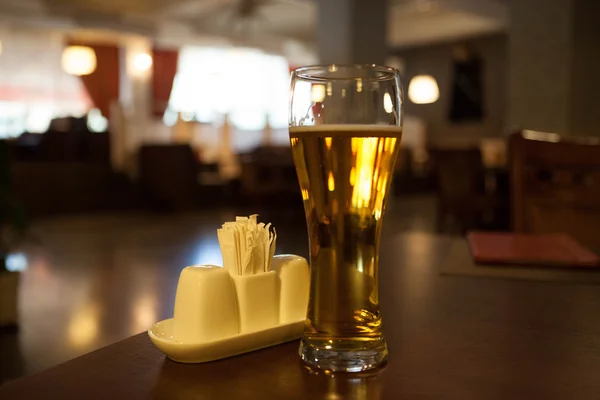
(551, 249)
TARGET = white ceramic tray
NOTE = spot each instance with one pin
(161, 335)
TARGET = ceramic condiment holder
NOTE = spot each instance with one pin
(219, 315)
(197, 317)
(293, 279)
(257, 300)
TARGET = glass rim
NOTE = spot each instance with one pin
(306, 72)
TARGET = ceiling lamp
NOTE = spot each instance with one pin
(423, 89)
(142, 62)
(78, 60)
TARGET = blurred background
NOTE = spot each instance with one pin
(131, 130)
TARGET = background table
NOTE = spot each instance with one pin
(449, 337)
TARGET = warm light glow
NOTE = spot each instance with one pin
(369, 181)
(359, 258)
(380, 183)
(142, 62)
(329, 89)
(359, 85)
(293, 141)
(542, 136)
(354, 146)
(318, 93)
(328, 141)
(83, 327)
(78, 60)
(330, 182)
(304, 194)
(365, 161)
(390, 143)
(423, 89)
(388, 104)
(144, 314)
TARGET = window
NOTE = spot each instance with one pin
(33, 87)
(247, 84)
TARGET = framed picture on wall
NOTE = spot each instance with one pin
(467, 91)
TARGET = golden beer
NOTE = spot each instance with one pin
(345, 129)
(344, 173)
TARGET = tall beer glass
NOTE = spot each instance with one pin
(345, 130)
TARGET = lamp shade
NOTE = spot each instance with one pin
(78, 60)
(423, 89)
(142, 62)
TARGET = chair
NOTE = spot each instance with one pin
(168, 174)
(269, 171)
(460, 188)
(60, 146)
(555, 186)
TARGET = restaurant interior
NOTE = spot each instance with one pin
(130, 131)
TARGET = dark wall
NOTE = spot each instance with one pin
(585, 67)
(437, 60)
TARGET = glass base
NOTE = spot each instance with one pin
(352, 356)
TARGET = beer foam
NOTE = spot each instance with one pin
(347, 129)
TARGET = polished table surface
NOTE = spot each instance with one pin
(449, 337)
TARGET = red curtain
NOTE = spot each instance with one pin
(103, 84)
(164, 68)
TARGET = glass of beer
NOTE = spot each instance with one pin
(345, 131)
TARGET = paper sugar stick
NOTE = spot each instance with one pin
(248, 260)
(272, 246)
(258, 252)
(265, 245)
(247, 246)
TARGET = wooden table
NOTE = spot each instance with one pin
(449, 337)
